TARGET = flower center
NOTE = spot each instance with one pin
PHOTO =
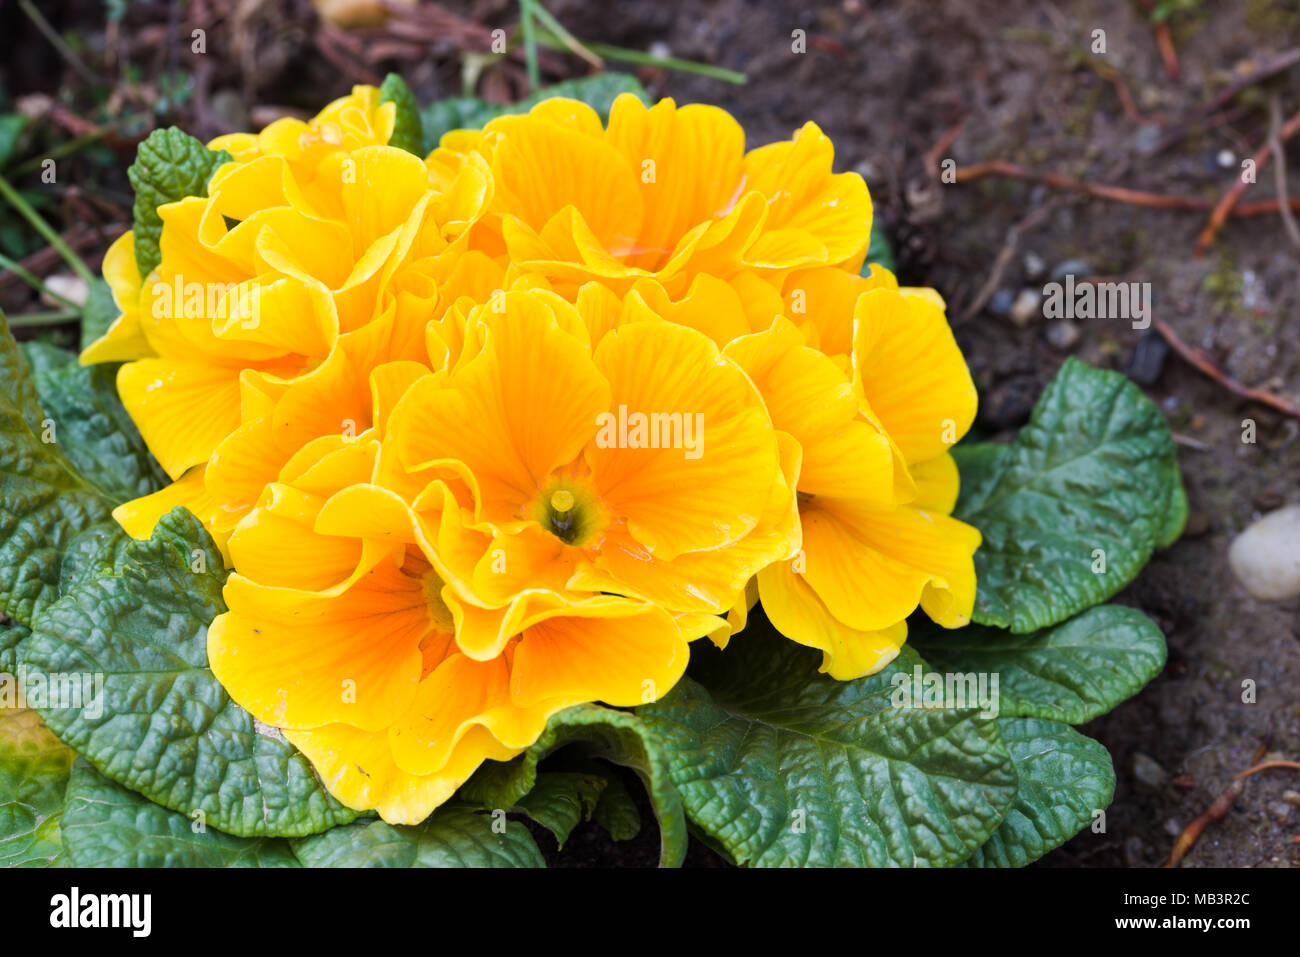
(570, 511)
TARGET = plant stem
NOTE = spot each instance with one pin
(573, 44)
(43, 318)
(624, 55)
(530, 44)
(42, 227)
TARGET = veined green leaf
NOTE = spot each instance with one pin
(1071, 672)
(44, 501)
(408, 129)
(615, 736)
(561, 800)
(169, 166)
(1065, 779)
(454, 836)
(1072, 510)
(107, 825)
(779, 765)
(91, 427)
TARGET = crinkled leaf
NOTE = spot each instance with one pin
(33, 777)
(44, 501)
(107, 825)
(12, 634)
(1072, 510)
(615, 736)
(169, 166)
(1070, 672)
(408, 130)
(1176, 514)
(561, 800)
(616, 812)
(90, 424)
(163, 725)
(454, 836)
(780, 765)
(1065, 778)
(467, 112)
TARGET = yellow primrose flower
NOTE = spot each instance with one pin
(877, 484)
(316, 150)
(255, 288)
(663, 192)
(339, 633)
(541, 465)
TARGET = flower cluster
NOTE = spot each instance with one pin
(500, 431)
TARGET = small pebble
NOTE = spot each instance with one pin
(1035, 267)
(1061, 335)
(73, 288)
(1147, 138)
(1027, 307)
(1077, 268)
(1148, 773)
(1266, 556)
(1000, 302)
(1148, 360)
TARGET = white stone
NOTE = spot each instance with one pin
(1266, 556)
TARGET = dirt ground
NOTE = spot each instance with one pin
(887, 81)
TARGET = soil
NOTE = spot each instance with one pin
(886, 81)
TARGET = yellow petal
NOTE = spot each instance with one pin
(183, 408)
(847, 653)
(910, 369)
(299, 660)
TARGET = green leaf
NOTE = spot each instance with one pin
(614, 736)
(1176, 514)
(1065, 779)
(616, 812)
(454, 836)
(107, 825)
(12, 634)
(467, 112)
(162, 724)
(1071, 672)
(11, 128)
(90, 424)
(98, 313)
(1071, 510)
(408, 130)
(44, 501)
(561, 800)
(779, 765)
(879, 250)
(169, 166)
(33, 777)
